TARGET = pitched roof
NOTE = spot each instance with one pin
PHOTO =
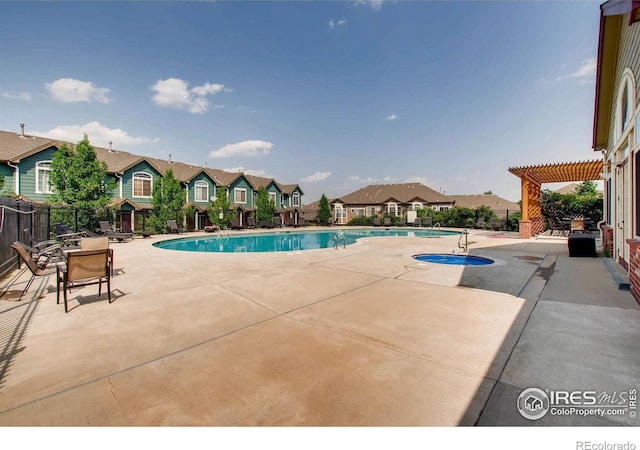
(288, 188)
(494, 202)
(13, 146)
(404, 193)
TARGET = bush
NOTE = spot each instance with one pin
(360, 222)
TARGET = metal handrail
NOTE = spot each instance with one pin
(434, 226)
(336, 240)
(464, 247)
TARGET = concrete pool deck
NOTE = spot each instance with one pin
(362, 336)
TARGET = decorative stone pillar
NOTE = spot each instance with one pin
(634, 267)
(525, 229)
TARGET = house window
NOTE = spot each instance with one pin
(296, 199)
(239, 195)
(272, 197)
(359, 212)
(624, 104)
(340, 214)
(142, 184)
(43, 177)
(392, 209)
(416, 206)
(371, 211)
(201, 190)
(444, 208)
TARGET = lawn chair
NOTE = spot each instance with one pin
(173, 227)
(417, 222)
(387, 222)
(277, 222)
(37, 270)
(84, 268)
(428, 222)
(106, 230)
(377, 222)
(126, 228)
(251, 222)
(48, 250)
(66, 236)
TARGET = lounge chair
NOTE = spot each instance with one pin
(277, 221)
(387, 222)
(84, 268)
(302, 222)
(211, 228)
(106, 230)
(66, 236)
(42, 251)
(290, 222)
(417, 222)
(558, 225)
(377, 222)
(126, 228)
(492, 224)
(251, 222)
(403, 222)
(235, 224)
(37, 270)
(480, 223)
(265, 224)
(428, 222)
(173, 227)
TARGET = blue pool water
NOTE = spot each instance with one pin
(455, 260)
(286, 241)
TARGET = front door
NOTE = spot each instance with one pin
(622, 222)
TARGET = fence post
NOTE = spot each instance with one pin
(75, 218)
(48, 225)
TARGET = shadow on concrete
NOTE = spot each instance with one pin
(576, 331)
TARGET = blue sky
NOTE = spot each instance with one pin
(332, 95)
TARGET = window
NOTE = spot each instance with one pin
(296, 199)
(201, 191)
(392, 209)
(43, 177)
(272, 197)
(142, 184)
(624, 104)
(239, 195)
(444, 208)
(359, 212)
(371, 211)
(416, 206)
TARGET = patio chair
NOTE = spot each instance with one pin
(377, 222)
(403, 222)
(251, 222)
(106, 230)
(428, 222)
(492, 224)
(84, 268)
(387, 222)
(277, 222)
(66, 236)
(235, 224)
(417, 222)
(557, 225)
(480, 223)
(37, 270)
(48, 250)
(290, 222)
(302, 222)
(265, 224)
(173, 227)
(126, 228)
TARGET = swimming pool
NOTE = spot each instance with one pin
(285, 241)
(454, 260)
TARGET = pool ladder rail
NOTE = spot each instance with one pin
(434, 227)
(465, 246)
(336, 240)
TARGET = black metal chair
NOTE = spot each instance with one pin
(37, 270)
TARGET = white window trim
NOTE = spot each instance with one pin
(416, 206)
(38, 168)
(146, 176)
(395, 209)
(235, 192)
(200, 184)
(273, 197)
(627, 80)
(296, 200)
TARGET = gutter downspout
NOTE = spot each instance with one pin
(119, 177)
(17, 177)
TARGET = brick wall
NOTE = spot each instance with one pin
(607, 239)
(634, 267)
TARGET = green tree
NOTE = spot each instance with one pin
(587, 188)
(324, 211)
(265, 208)
(167, 201)
(220, 208)
(79, 179)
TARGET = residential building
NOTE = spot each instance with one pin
(500, 206)
(615, 131)
(25, 164)
(393, 199)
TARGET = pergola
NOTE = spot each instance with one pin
(532, 177)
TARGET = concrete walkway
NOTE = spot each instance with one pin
(359, 336)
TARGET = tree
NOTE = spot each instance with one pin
(79, 179)
(324, 211)
(587, 188)
(489, 192)
(167, 200)
(219, 212)
(265, 208)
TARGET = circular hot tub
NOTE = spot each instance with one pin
(454, 260)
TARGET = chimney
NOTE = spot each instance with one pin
(169, 158)
(22, 129)
(110, 149)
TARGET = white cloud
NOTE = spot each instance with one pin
(422, 180)
(375, 4)
(245, 148)
(318, 176)
(98, 134)
(336, 23)
(392, 117)
(234, 169)
(175, 93)
(69, 90)
(388, 179)
(586, 71)
(17, 95)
